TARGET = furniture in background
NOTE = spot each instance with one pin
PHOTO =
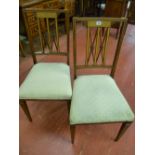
(21, 48)
(42, 4)
(116, 8)
(97, 99)
(47, 81)
(101, 4)
(87, 7)
(131, 13)
(105, 8)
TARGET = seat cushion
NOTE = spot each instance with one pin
(47, 81)
(97, 99)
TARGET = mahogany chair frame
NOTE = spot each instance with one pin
(46, 14)
(103, 22)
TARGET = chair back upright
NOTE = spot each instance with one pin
(97, 37)
(48, 32)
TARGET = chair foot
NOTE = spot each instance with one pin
(122, 130)
(72, 130)
(25, 109)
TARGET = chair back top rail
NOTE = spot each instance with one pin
(96, 42)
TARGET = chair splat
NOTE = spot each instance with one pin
(51, 38)
(97, 43)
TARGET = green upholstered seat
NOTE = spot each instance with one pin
(97, 99)
(47, 81)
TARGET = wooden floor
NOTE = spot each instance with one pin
(49, 133)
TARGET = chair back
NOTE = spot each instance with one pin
(97, 38)
(48, 32)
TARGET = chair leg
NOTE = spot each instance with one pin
(25, 109)
(122, 130)
(72, 130)
(68, 106)
(117, 33)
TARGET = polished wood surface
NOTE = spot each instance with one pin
(131, 14)
(115, 8)
(49, 132)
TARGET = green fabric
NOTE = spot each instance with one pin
(47, 81)
(97, 99)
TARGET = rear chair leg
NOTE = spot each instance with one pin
(72, 127)
(117, 33)
(72, 130)
(122, 130)
(68, 106)
(25, 109)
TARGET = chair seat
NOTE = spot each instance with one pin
(97, 99)
(47, 81)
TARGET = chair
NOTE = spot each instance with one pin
(96, 98)
(47, 80)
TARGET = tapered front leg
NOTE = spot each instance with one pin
(25, 109)
(72, 130)
(122, 130)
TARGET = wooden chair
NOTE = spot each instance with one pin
(97, 99)
(47, 81)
